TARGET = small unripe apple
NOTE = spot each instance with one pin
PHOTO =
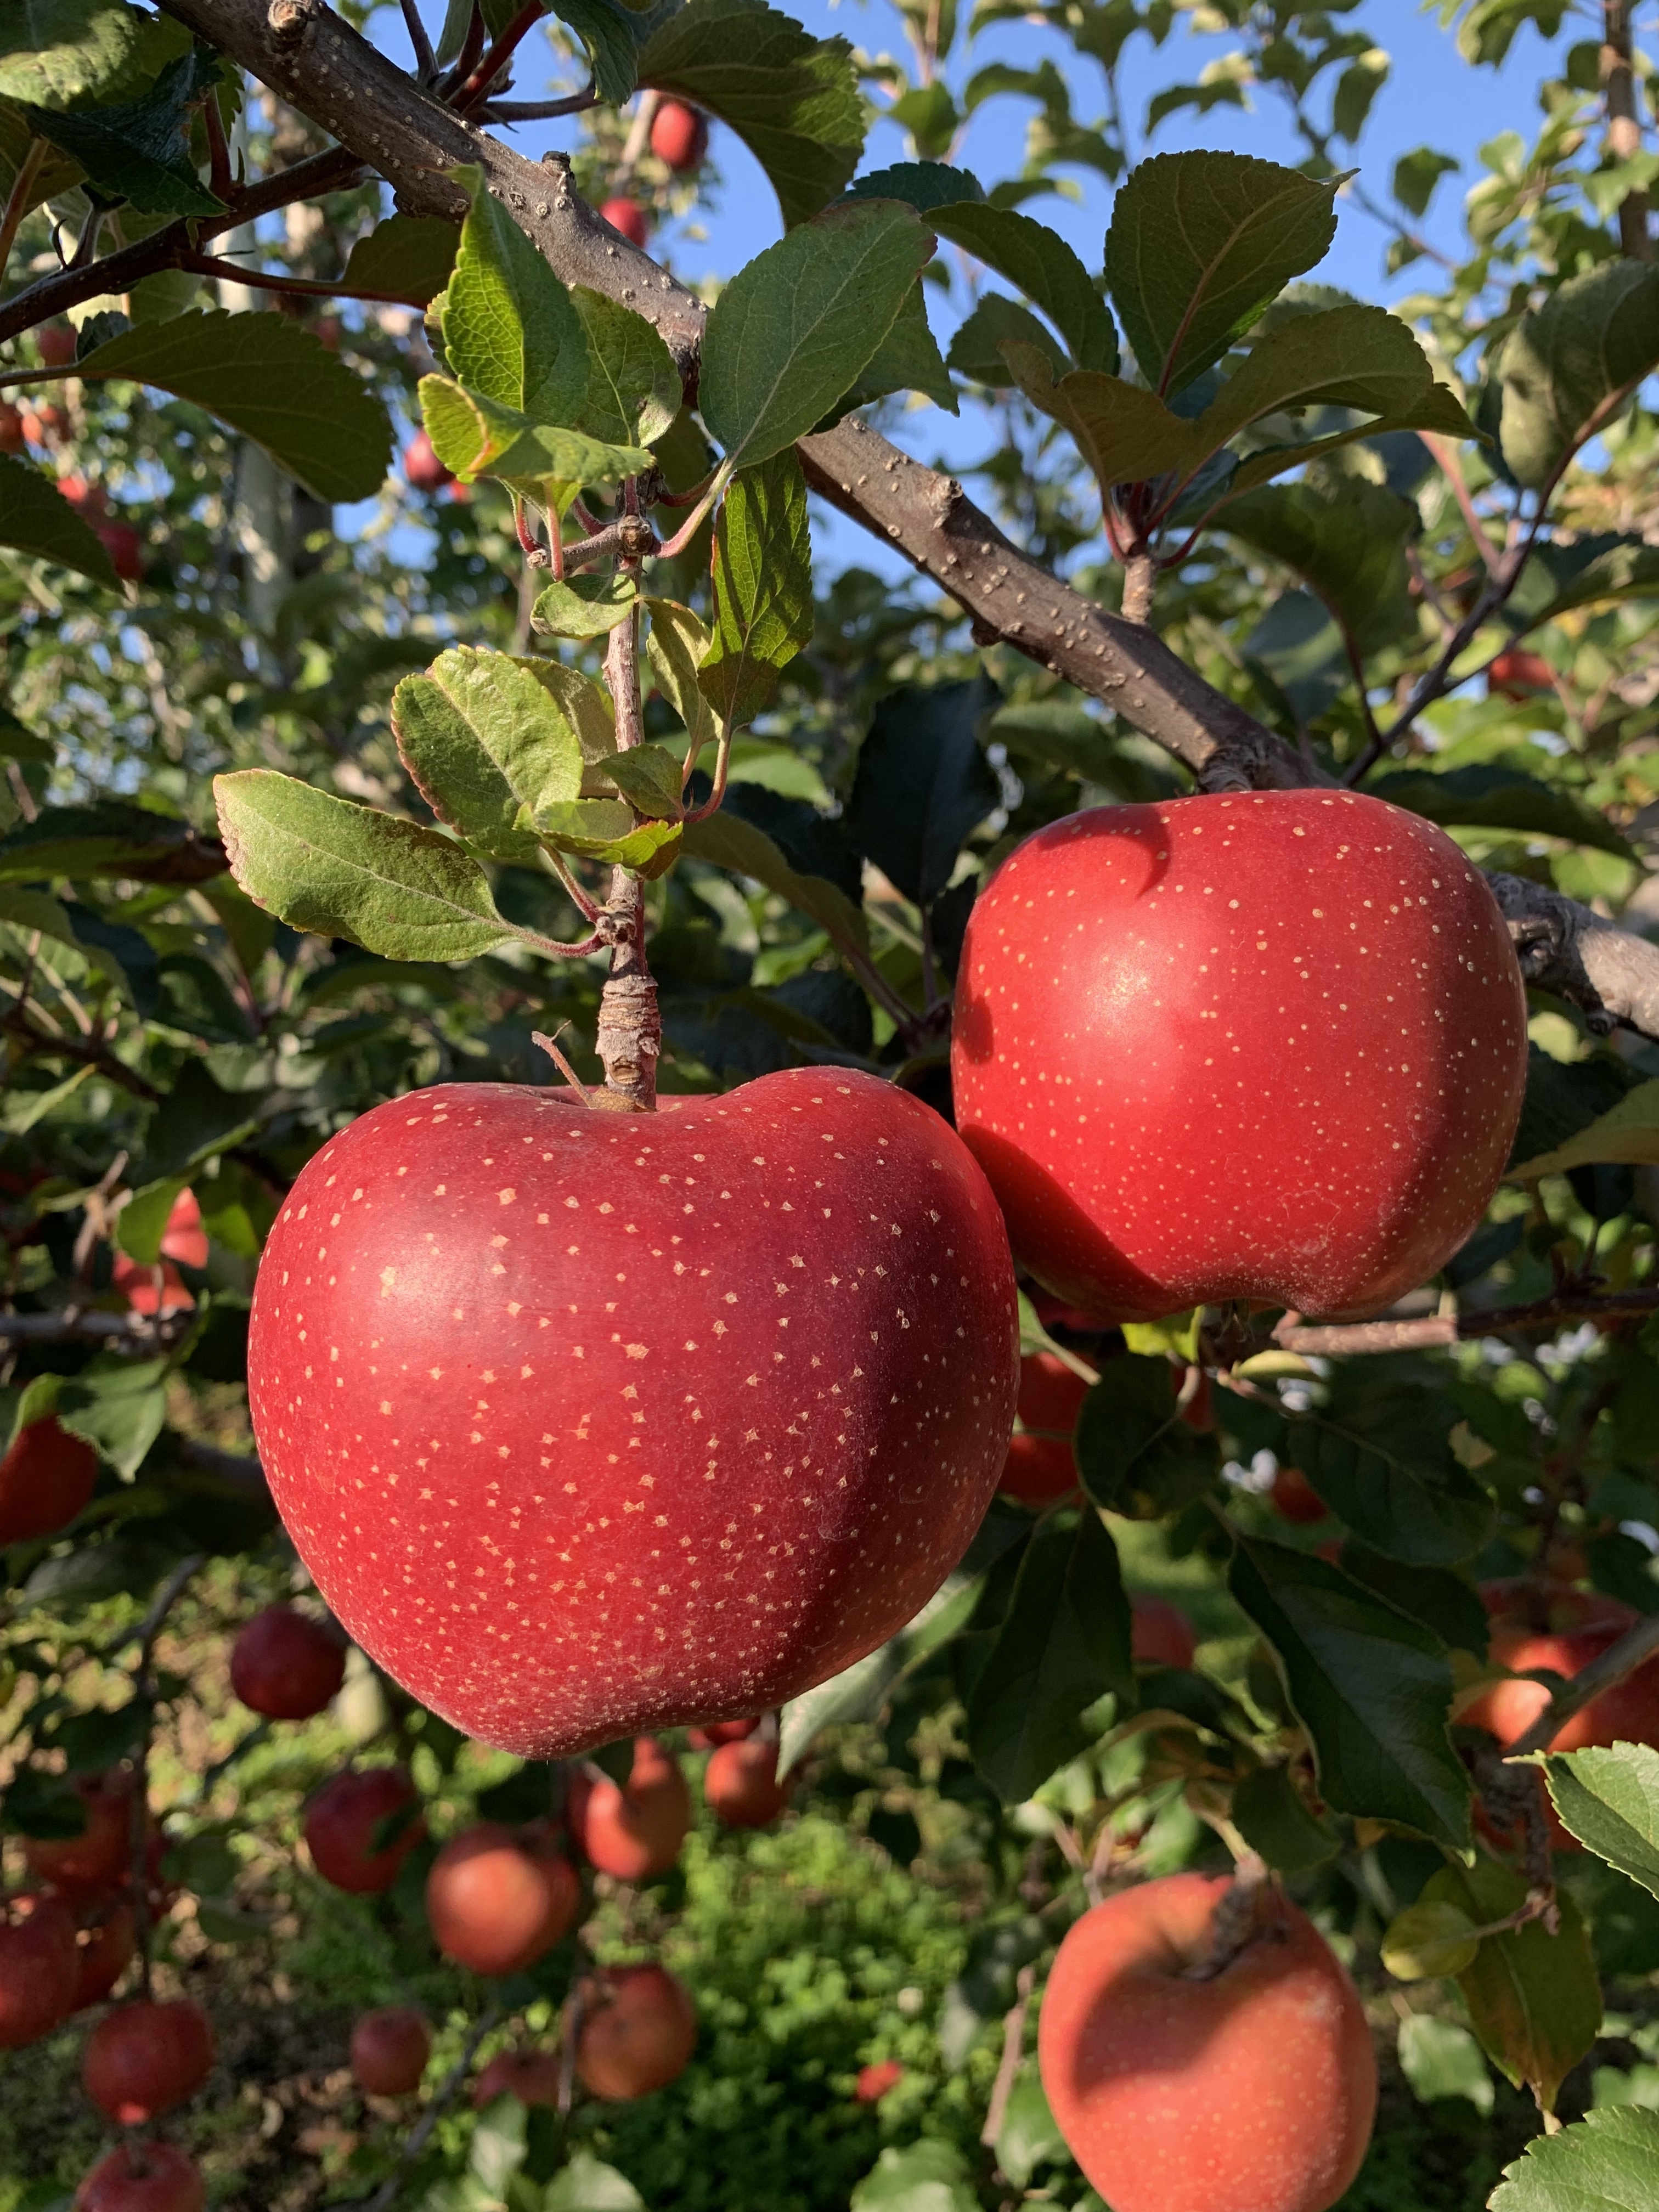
(1182, 2087)
(740, 1784)
(496, 1902)
(346, 1816)
(1040, 1464)
(718, 1732)
(46, 1480)
(57, 344)
(679, 136)
(144, 2058)
(1268, 1046)
(531, 2076)
(876, 2079)
(105, 1940)
(633, 1830)
(587, 1423)
(1519, 674)
(1162, 1635)
(389, 2048)
(1295, 1499)
(422, 468)
(101, 1857)
(638, 2033)
(184, 1239)
(14, 438)
(286, 1665)
(142, 2177)
(37, 1967)
(629, 218)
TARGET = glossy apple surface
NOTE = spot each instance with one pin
(1040, 1464)
(37, 1967)
(361, 1825)
(633, 1830)
(496, 1902)
(1269, 1046)
(1163, 1635)
(144, 2058)
(286, 1665)
(1255, 2086)
(740, 1784)
(45, 1479)
(639, 2031)
(142, 2177)
(588, 1422)
(390, 2047)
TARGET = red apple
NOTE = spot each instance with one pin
(679, 136)
(389, 2048)
(157, 1290)
(14, 438)
(344, 1824)
(101, 1857)
(104, 1942)
(531, 2076)
(46, 1480)
(1295, 1499)
(1518, 675)
(741, 1787)
(1054, 1313)
(1561, 1629)
(876, 2079)
(718, 1732)
(37, 1967)
(638, 2033)
(56, 343)
(629, 218)
(1180, 2089)
(588, 1422)
(286, 1665)
(142, 2177)
(144, 2058)
(1040, 1464)
(44, 424)
(1163, 1635)
(636, 1832)
(421, 466)
(1269, 1046)
(89, 501)
(184, 1239)
(128, 552)
(497, 1902)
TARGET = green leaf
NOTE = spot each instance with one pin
(1429, 1939)
(1440, 2059)
(273, 382)
(1416, 176)
(198, 1122)
(907, 359)
(632, 391)
(109, 838)
(117, 1406)
(1533, 1998)
(323, 864)
(726, 841)
(1484, 794)
(37, 911)
(792, 330)
(675, 646)
(604, 830)
(56, 52)
(648, 777)
(1063, 1645)
(1037, 259)
(1135, 1453)
(1125, 433)
(1407, 1497)
(1608, 2161)
(1349, 542)
(976, 348)
(1609, 1799)
(1029, 2135)
(36, 518)
(929, 2175)
(611, 33)
(475, 436)
(1569, 367)
(511, 331)
(1627, 1133)
(138, 151)
(794, 100)
(410, 254)
(585, 605)
(923, 185)
(923, 784)
(1272, 1815)
(1592, 572)
(587, 2185)
(1370, 1684)
(1352, 357)
(486, 744)
(142, 1222)
(499, 2144)
(762, 588)
(1200, 244)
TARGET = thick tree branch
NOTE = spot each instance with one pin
(1572, 952)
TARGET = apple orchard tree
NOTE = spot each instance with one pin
(822, 1392)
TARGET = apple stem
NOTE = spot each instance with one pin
(549, 1046)
(630, 1037)
(1237, 1921)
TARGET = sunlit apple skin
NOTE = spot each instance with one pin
(1253, 2088)
(1269, 1046)
(588, 1423)
(144, 2058)
(495, 1902)
(389, 2048)
(741, 1787)
(1163, 1635)
(101, 1854)
(344, 1819)
(1536, 1627)
(629, 218)
(142, 2177)
(38, 1968)
(46, 1479)
(286, 1665)
(639, 2034)
(635, 1830)
(679, 136)
(1041, 1465)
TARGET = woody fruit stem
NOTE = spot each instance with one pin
(630, 1028)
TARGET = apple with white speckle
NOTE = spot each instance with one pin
(1268, 1047)
(587, 1423)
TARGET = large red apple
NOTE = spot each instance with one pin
(286, 1665)
(389, 2048)
(37, 1967)
(1040, 1464)
(497, 1902)
(144, 2058)
(360, 1826)
(638, 2033)
(633, 1830)
(1269, 1047)
(586, 1423)
(142, 2177)
(1179, 2088)
(45, 1479)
